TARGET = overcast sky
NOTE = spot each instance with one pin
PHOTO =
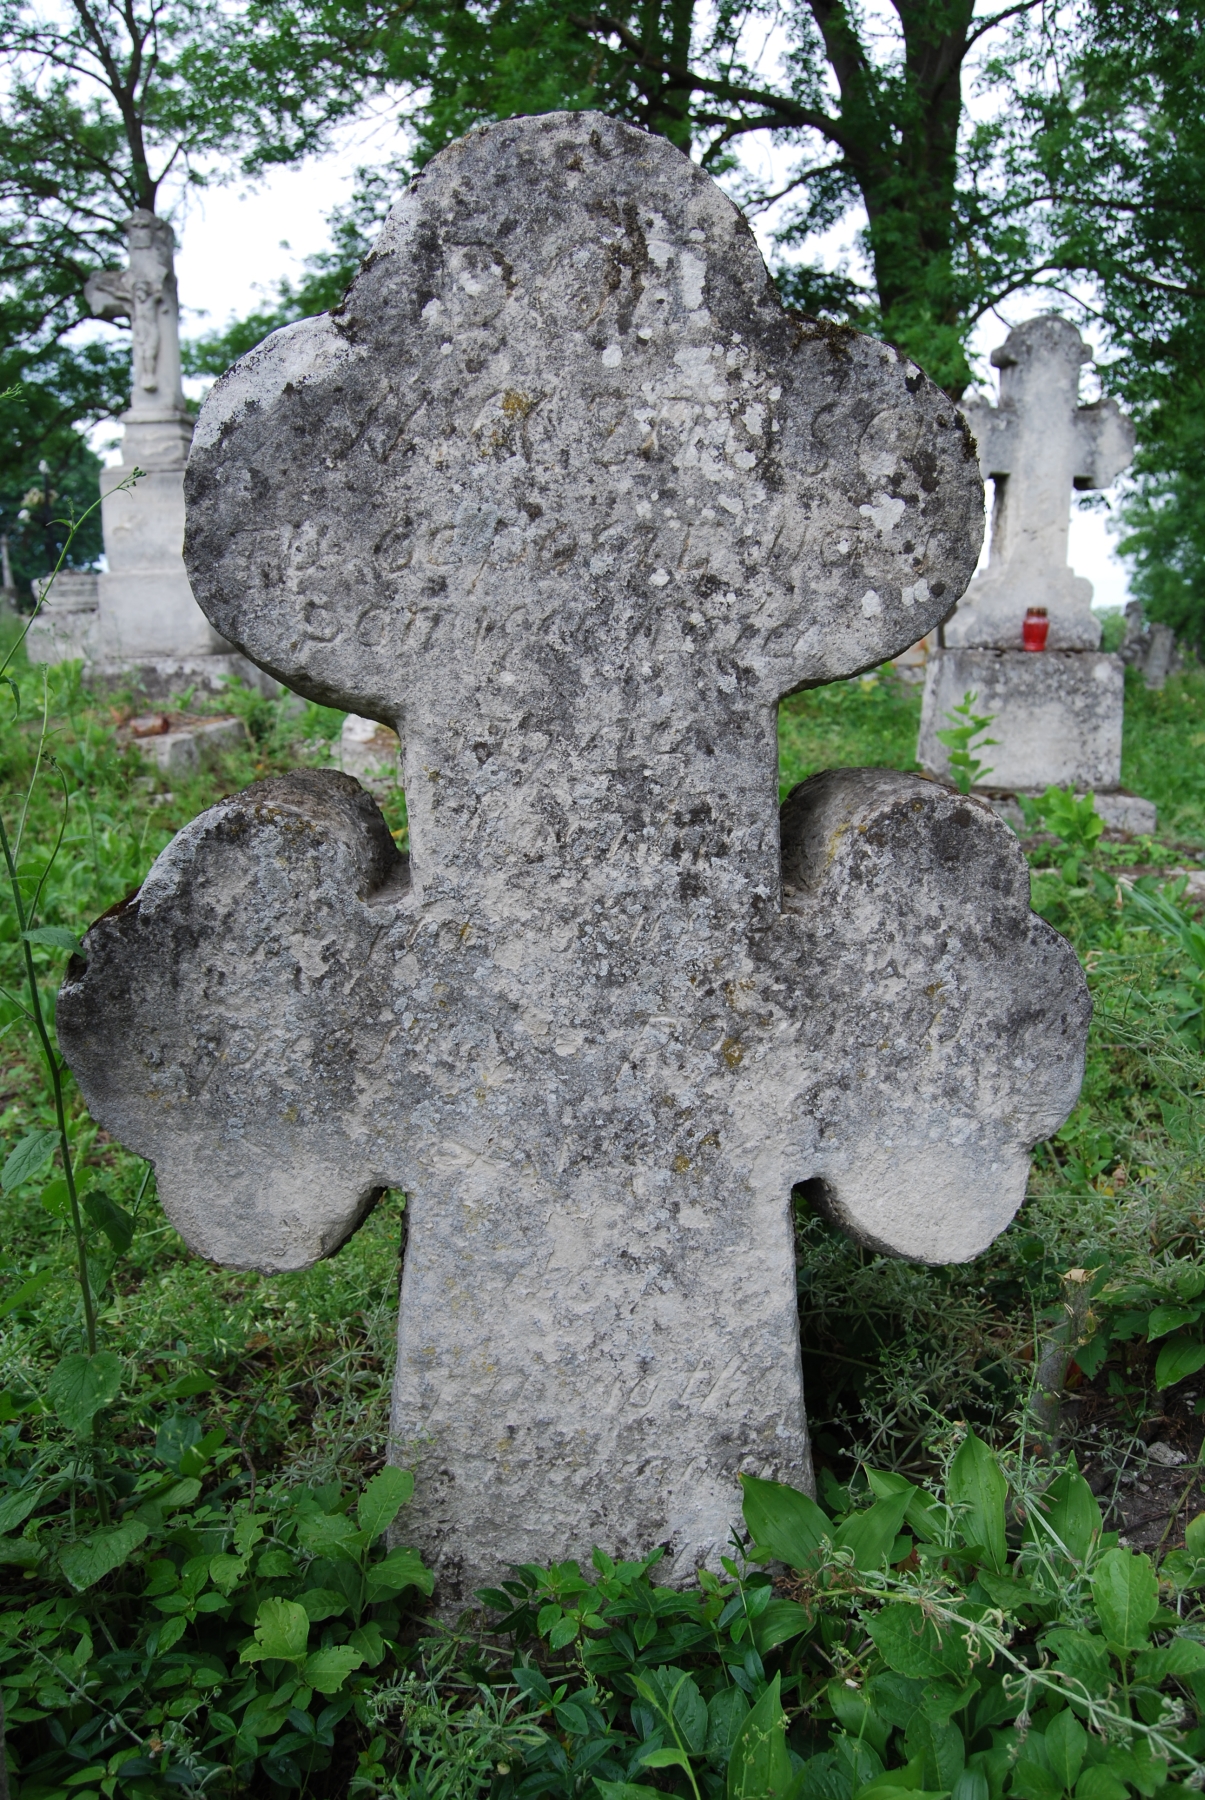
(236, 244)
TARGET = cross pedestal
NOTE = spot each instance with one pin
(564, 496)
(139, 623)
(1057, 713)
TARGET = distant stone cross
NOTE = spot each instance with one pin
(563, 494)
(145, 293)
(1039, 444)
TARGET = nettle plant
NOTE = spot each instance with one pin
(964, 737)
(1165, 1307)
(198, 1645)
(991, 1641)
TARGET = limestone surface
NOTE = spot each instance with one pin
(146, 611)
(563, 496)
(1056, 716)
(1037, 445)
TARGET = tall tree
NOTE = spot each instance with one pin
(1122, 141)
(103, 109)
(869, 110)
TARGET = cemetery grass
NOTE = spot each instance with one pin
(271, 1395)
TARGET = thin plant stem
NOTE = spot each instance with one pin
(54, 1069)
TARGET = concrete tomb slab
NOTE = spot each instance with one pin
(566, 498)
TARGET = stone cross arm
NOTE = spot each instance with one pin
(110, 294)
(1039, 429)
(563, 495)
(1102, 442)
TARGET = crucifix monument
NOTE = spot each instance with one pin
(138, 618)
(1057, 712)
(564, 495)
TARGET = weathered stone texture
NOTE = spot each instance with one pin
(1038, 444)
(1057, 716)
(564, 496)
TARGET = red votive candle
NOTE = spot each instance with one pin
(1034, 628)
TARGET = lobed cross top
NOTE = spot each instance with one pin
(564, 495)
(1038, 444)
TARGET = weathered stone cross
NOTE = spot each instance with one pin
(563, 494)
(1038, 444)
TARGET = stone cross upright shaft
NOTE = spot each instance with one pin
(1038, 444)
(565, 496)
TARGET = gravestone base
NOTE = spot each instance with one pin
(159, 678)
(370, 752)
(1127, 813)
(192, 744)
(1056, 715)
(64, 629)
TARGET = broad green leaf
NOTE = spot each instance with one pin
(322, 1533)
(912, 1645)
(780, 1621)
(857, 1760)
(665, 1759)
(1183, 1656)
(328, 1669)
(626, 1790)
(871, 1534)
(225, 1572)
(16, 1509)
(1179, 1358)
(1125, 1589)
(400, 1569)
(1070, 1508)
(110, 1218)
(1168, 1318)
(939, 1745)
(322, 1603)
(996, 1707)
(971, 1785)
(1100, 1783)
(884, 1787)
(282, 1632)
(1004, 1592)
(98, 1554)
(1066, 1741)
(56, 1198)
(27, 1290)
(853, 1708)
(1033, 1778)
(1194, 1536)
(368, 1639)
(564, 1632)
(977, 1486)
(725, 1712)
(760, 1765)
(922, 1514)
(81, 1385)
(675, 1697)
(28, 1158)
(690, 1714)
(383, 1499)
(54, 937)
(941, 1699)
(1091, 1357)
(784, 1523)
(908, 1780)
(1081, 1656)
